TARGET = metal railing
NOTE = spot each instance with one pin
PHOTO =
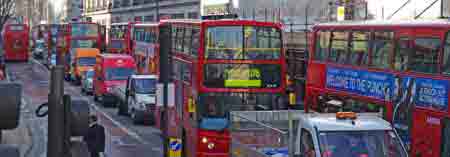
(263, 133)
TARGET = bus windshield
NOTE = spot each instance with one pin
(242, 75)
(84, 43)
(243, 43)
(360, 143)
(84, 30)
(115, 74)
(118, 32)
(86, 61)
(214, 113)
(116, 44)
(146, 86)
(16, 28)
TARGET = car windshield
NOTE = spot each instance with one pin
(381, 143)
(238, 42)
(86, 61)
(90, 74)
(217, 106)
(83, 30)
(119, 73)
(146, 86)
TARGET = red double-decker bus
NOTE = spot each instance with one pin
(16, 42)
(218, 67)
(82, 35)
(146, 47)
(399, 68)
(119, 38)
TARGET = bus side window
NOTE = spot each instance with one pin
(402, 54)
(187, 40)
(306, 144)
(446, 56)
(339, 47)
(381, 46)
(195, 41)
(425, 55)
(359, 48)
(445, 141)
(322, 45)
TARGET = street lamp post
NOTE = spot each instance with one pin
(157, 10)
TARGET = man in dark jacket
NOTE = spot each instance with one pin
(95, 138)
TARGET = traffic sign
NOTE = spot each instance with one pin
(175, 146)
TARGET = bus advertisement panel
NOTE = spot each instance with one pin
(399, 69)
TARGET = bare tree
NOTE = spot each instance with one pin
(6, 11)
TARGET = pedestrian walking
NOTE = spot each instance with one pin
(95, 138)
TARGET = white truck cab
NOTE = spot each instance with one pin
(137, 98)
(346, 134)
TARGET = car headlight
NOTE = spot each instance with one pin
(108, 89)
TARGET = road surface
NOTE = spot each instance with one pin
(123, 138)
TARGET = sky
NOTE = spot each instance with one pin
(408, 12)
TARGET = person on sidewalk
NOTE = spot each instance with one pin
(95, 138)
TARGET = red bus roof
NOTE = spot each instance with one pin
(113, 56)
(122, 23)
(374, 23)
(221, 22)
(146, 24)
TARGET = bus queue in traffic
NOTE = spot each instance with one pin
(219, 66)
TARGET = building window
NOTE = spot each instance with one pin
(178, 16)
(193, 15)
(148, 18)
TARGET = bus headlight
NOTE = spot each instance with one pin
(204, 140)
(211, 145)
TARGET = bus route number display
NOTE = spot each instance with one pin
(243, 77)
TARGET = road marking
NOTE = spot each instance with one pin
(118, 124)
(157, 149)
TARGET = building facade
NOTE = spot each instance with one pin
(33, 11)
(116, 11)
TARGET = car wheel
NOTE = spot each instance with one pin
(137, 117)
(133, 117)
(121, 109)
(95, 97)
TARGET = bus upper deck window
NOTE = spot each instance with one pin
(381, 49)
(425, 57)
(446, 59)
(359, 48)
(322, 45)
(339, 47)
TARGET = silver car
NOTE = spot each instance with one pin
(87, 82)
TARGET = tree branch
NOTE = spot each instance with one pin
(6, 11)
